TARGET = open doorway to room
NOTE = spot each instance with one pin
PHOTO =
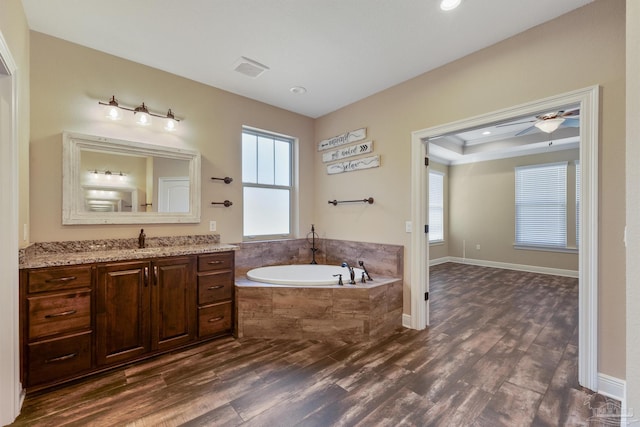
(583, 102)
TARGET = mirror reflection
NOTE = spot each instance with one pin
(126, 182)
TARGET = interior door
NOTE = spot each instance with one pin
(173, 194)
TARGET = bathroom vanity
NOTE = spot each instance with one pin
(88, 311)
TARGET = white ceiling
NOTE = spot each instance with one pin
(341, 51)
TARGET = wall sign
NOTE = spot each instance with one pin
(354, 165)
(345, 138)
(350, 151)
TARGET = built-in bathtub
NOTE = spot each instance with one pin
(314, 305)
(304, 275)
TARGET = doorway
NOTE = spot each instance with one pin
(588, 101)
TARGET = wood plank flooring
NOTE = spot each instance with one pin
(501, 351)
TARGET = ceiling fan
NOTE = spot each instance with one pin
(549, 122)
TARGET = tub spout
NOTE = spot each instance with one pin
(351, 273)
(361, 263)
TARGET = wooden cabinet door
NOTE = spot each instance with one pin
(123, 299)
(173, 313)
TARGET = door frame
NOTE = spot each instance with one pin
(11, 392)
(588, 99)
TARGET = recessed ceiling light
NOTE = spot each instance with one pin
(449, 4)
(298, 90)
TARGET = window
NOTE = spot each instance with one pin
(541, 205)
(266, 184)
(436, 207)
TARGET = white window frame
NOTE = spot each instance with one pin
(432, 204)
(548, 246)
(291, 187)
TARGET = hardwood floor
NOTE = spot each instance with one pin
(501, 351)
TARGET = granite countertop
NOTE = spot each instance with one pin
(50, 254)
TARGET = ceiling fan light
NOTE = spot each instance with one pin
(549, 125)
(449, 4)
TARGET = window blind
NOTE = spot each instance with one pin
(541, 205)
(436, 206)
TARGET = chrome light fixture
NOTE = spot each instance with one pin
(141, 113)
(549, 125)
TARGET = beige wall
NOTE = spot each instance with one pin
(15, 31)
(583, 48)
(482, 212)
(68, 80)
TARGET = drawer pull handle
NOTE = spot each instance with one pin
(64, 313)
(213, 288)
(215, 262)
(61, 279)
(215, 319)
(61, 358)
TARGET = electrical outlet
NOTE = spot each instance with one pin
(407, 226)
(212, 226)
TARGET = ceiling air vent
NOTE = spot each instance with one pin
(249, 67)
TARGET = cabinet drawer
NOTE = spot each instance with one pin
(218, 261)
(59, 358)
(214, 287)
(57, 314)
(214, 319)
(54, 279)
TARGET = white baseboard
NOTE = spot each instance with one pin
(611, 387)
(507, 266)
(406, 320)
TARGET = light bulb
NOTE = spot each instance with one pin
(113, 113)
(170, 125)
(449, 4)
(143, 119)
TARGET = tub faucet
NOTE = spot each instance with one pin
(352, 273)
(361, 263)
(339, 279)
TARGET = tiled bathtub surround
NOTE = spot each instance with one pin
(47, 254)
(349, 313)
(380, 259)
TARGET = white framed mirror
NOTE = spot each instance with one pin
(112, 181)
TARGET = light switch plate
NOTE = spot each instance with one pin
(212, 226)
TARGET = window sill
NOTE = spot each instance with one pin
(545, 248)
(436, 242)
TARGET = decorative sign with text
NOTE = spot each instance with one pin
(354, 165)
(350, 151)
(345, 138)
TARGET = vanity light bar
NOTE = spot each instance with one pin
(141, 114)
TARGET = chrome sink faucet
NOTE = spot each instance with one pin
(352, 273)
